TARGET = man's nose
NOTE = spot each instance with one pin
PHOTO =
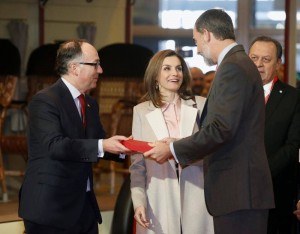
(99, 69)
(259, 62)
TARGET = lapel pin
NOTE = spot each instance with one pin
(88, 105)
(280, 91)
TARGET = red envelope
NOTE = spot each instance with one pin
(138, 146)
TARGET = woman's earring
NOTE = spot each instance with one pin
(156, 86)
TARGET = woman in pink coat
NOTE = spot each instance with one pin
(167, 198)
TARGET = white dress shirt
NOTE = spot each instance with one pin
(75, 94)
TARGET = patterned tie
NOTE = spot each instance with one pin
(82, 109)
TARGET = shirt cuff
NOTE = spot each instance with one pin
(101, 151)
(100, 148)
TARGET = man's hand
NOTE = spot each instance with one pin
(140, 216)
(160, 151)
(114, 145)
(297, 212)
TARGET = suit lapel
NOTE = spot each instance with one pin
(159, 127)
(188, 117)
(157, 123)
(69, 104)
(155, 118)
(276, 95)
(233, 50)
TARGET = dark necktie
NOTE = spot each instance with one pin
(82, 109)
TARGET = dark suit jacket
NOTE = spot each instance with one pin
(282, 140)
(60, 160)
(231, 140)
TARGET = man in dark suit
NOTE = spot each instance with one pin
(237, 181)
(64, 139)
(282, 132)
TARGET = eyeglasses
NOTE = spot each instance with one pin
(95, 65)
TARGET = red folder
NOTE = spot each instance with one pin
(138, 146)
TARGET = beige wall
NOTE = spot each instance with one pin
(62, 17)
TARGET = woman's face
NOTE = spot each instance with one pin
(170, 77)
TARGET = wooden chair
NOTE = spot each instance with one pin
(7, 91)
(38, 82)
(10, 70)
(40, 74)
(40, 69)
(121, 122)
(10, 59)
(118, 90)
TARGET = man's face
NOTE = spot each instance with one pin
(207, 82)
(202, 46)
(197, 80)
(88, 74)
(198, 39)
(263, 54)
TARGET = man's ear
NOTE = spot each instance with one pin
(74, 69)
(206, 35)
(279, 66)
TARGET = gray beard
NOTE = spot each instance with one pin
(209, 61)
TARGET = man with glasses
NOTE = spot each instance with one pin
(65, 137)
(282, 132)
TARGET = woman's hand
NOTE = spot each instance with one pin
(140, 216)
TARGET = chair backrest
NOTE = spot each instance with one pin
(10, 59)
(7, 89)
(41, 68)
(38, 82)
(9, 143)
(124, 60)
(123, 66)
(121, 117)
(10, 71)
(42, 60)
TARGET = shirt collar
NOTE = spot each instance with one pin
(74, 92)
(268, 86)
(225, 51)
(176, 101)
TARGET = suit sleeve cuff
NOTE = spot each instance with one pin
(173, 151)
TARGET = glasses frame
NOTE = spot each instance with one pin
(95, 65)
